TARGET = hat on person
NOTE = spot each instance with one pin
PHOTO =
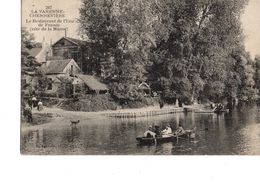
(168, 125)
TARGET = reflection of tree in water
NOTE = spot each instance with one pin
(122, 135)
(29, 139)
(71, 140)
(185, 146)
(116, 132)
(49, 138)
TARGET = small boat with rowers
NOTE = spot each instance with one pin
(218, 108)
(180, 133)
(161, 139)
(211, 111)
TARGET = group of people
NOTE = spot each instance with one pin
(34, 102)
(217, 107)
(155, 132)
(27, 112)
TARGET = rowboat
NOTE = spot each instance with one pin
(211, 111)
(221, 111)
(162, 139)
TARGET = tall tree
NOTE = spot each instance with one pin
(185, 48)
(202, 37)
(28, 62)
(99, 24)
(257, 72)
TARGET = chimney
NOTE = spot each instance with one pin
(66, 32)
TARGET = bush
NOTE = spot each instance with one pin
(47, 94)
(90, 103)
(49, 102)
(143, 102)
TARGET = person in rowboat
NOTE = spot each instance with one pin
(149, 132)
(157, 130)
(167, 131)
(180, 130)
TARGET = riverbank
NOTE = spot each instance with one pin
(236, 133)
(54, 115)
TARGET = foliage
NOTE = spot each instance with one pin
(187, 49)
(28, 62)
(257, 72)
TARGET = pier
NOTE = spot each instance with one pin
(143, 112)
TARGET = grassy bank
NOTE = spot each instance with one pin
(89, 104)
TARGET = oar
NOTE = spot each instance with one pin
(182, 138)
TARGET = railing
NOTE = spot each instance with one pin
(144, 113)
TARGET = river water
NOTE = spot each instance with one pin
(234, 133)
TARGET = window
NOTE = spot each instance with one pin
(65, 53)
(71, 70)
(74, 55)
(49, 84)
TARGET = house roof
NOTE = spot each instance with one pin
(73, 40)
(55, 66)
(79, 42)
(34, 51)
(93, 83)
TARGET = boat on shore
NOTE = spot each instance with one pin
(211, 111)
(221, 111)
(163, 139)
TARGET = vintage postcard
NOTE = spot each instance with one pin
(140, 77)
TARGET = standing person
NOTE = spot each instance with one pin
(177, 103)
(30, 118)
(28, 114)
(30, 103)
(39, 106)
(212, 106)
(34, 101)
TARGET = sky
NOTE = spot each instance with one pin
(250, 21)
(251, 27)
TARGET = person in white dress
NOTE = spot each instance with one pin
(149, 132)
(167, 131)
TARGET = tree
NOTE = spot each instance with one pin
(28, 62)
(99, 24)
(188, 49)
(122, 33)
(202, 36)
(257, 72)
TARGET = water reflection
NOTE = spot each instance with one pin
(237, 132)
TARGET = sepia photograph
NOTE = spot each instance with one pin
(140, 77)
